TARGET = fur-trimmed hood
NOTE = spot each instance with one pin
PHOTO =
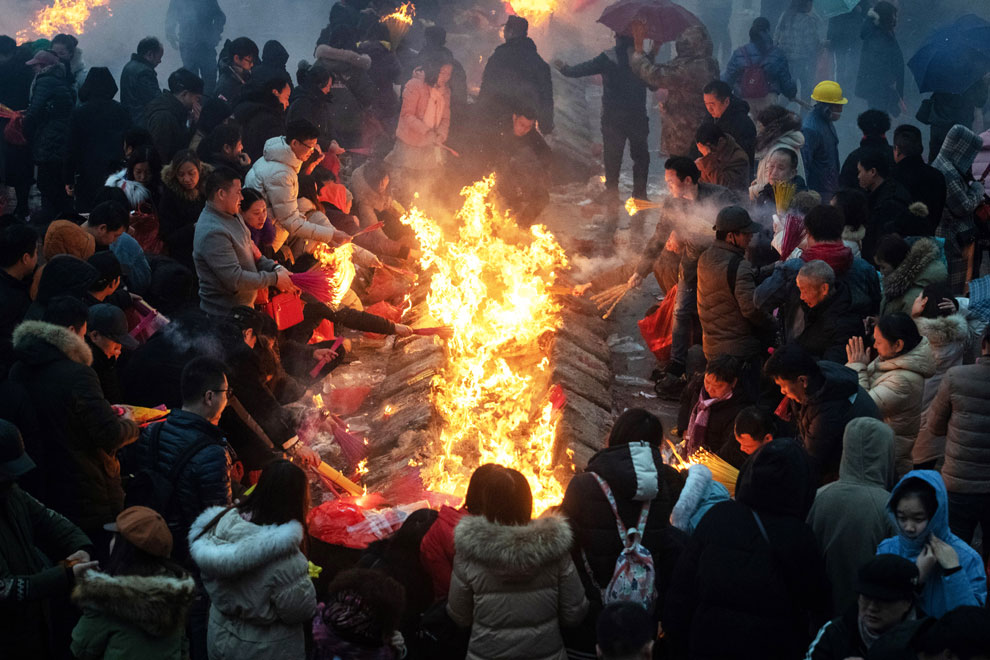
(513, 549)
(701, 492)
(944, 330)
(169, 179)
(155, 604)
(37, 342)
(235, 546)
(922, 254)
(136, 191)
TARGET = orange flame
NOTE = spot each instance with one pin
(497, 296)
(67, 16)
(339, 260)
(534, 11)
(403, 14)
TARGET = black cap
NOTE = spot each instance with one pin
(517, 24)
(110, 321)
(736, 219)
(108, 265)
(888, 577)
(13, 461)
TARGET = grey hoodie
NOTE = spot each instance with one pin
(849, 515)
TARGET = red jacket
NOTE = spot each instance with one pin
(436, 551)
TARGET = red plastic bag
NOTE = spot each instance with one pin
(13, 132)
(330, 520)
(657, 328)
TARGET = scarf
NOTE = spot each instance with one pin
(695, 435)
(836, 255)
(434, 109)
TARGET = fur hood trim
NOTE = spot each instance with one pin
(235, 546)
(944, 330)
(330, 54)
(513, 548)
(155, 604)
(698, 479)
(136, 191)
(170, 180)
(854, 234)
(922, 253)
(72, 345)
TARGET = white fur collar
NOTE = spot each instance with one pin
(72, 345)
(235, 546)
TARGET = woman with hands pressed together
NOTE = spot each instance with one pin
(895, 379)
(951, 572)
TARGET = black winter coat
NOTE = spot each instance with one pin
(314, 106)
(822, 419)
(516, 72)
(839, 639)
(205, 480)
(829, 325)
(256, 418)
(628, 472)
(106, 371)
(261, 117)
(138, 87)
(888, 209)
(385, 72)
(178, 212)
(15, 298)
(230, 83)
(33, 538)
(737, 595)
(166, 119)
(623, 92)
(15, 81)
(80, 431)
(95, 147)
(721, 415)
(924, 184)
(46, 122)
(849, 174)
(735, 121)
(881, 69)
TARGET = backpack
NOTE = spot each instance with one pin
(634, 577)
(149, 486)
(754, 83)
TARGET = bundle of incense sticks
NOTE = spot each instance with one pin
(634, 206)
(722, 472)
(609, 298)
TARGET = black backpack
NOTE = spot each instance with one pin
(151, 487)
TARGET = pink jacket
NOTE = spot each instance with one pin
(415, 99)
(983, 157)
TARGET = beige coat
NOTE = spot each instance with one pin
(515, 587)
(897, 386)
(961, 412)
(259, 587)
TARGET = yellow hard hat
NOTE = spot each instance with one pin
(828, 91)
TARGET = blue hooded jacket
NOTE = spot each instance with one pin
(941, 592)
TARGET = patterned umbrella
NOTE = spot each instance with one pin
(665, 20)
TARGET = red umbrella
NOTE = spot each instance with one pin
(665, 21)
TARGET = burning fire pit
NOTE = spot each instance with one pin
(523, 382)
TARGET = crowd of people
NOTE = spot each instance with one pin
(819, 343)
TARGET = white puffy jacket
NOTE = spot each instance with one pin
(276, 176)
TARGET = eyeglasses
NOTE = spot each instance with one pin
(229, 391)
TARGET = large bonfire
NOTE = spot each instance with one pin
(492, 284)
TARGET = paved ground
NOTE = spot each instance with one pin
(596, 243)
